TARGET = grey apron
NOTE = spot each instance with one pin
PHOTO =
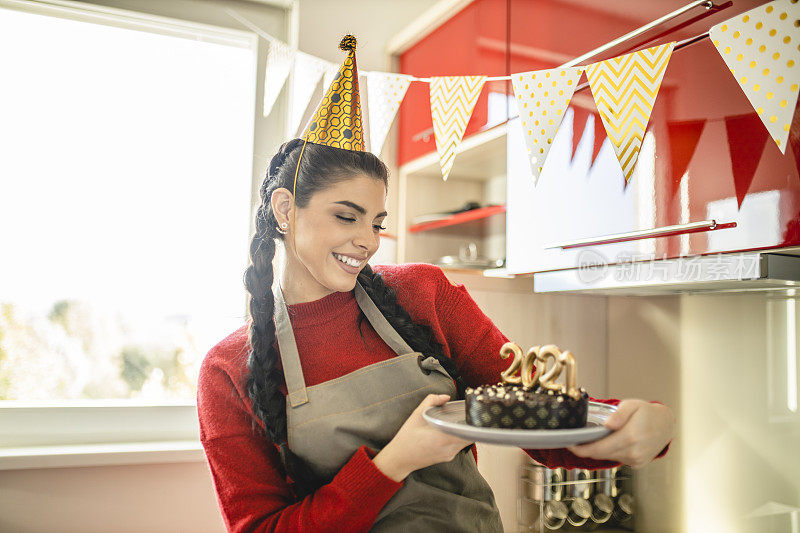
(328, 422)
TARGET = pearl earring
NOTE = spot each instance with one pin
(282, 229)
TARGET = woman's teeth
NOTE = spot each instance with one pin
(347, 260)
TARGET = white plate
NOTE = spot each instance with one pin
(451, 418)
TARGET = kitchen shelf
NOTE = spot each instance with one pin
(474, 215)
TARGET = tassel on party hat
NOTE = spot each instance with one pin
(337, 121)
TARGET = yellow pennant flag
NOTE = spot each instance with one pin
(624, 89)
(452, 100)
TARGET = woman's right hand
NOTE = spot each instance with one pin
(417, 444)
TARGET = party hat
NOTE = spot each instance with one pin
(337, 121)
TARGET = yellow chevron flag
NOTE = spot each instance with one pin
(624, 89)
(452, 100)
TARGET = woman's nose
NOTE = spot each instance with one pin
(367, 238)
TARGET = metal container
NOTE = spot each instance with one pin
(545, 484)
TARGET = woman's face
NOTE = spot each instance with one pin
(336, 233)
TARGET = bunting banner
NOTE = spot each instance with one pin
(542, 97)
(280, 59)
(625, 89)
(307, 72)
(386, 92)
(452, 100)
(760, 47)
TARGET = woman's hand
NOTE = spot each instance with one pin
(640, 431)
(417, 445)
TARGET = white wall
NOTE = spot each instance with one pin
(324, 22)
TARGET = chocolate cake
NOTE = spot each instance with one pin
(530, 400)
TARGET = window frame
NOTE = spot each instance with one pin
(58, 433)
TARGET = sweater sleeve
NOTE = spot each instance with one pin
(474, 343)
(252, 489)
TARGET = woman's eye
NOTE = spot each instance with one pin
(376, 227)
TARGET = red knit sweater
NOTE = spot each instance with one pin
(253, 491)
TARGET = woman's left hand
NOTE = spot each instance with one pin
(640, 431)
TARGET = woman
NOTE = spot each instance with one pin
(312, 420)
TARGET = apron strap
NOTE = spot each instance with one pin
(290, 358)
(379, 322)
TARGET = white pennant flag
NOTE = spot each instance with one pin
(308, 70)
(761, 50)
(280, 59)
(327, 77)
(452, 100)
(542, 98)
(386, 91)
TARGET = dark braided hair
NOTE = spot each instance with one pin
(321, 167)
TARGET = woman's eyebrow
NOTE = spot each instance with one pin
(359, 208)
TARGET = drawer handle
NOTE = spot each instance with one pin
(664, 231)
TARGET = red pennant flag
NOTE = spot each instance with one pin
(579, 116)
(683, 138)
(599, 136)
(746, 139)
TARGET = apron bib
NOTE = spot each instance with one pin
(328, 422)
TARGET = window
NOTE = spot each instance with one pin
(125, 189)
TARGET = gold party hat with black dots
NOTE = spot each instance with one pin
(337, 121)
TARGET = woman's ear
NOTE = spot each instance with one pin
(282, 202)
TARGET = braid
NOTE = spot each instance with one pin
(418, 336)
(264, 378)
(277, 162)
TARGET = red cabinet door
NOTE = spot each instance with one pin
(735, 174)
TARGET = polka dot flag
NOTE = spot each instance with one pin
(762, 50)
(386, 92)
(542, 98)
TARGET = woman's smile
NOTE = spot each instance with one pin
(348, 264)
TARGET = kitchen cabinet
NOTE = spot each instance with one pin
(581, 193)
(582, 197)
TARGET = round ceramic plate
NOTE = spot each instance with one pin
(451, 418)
